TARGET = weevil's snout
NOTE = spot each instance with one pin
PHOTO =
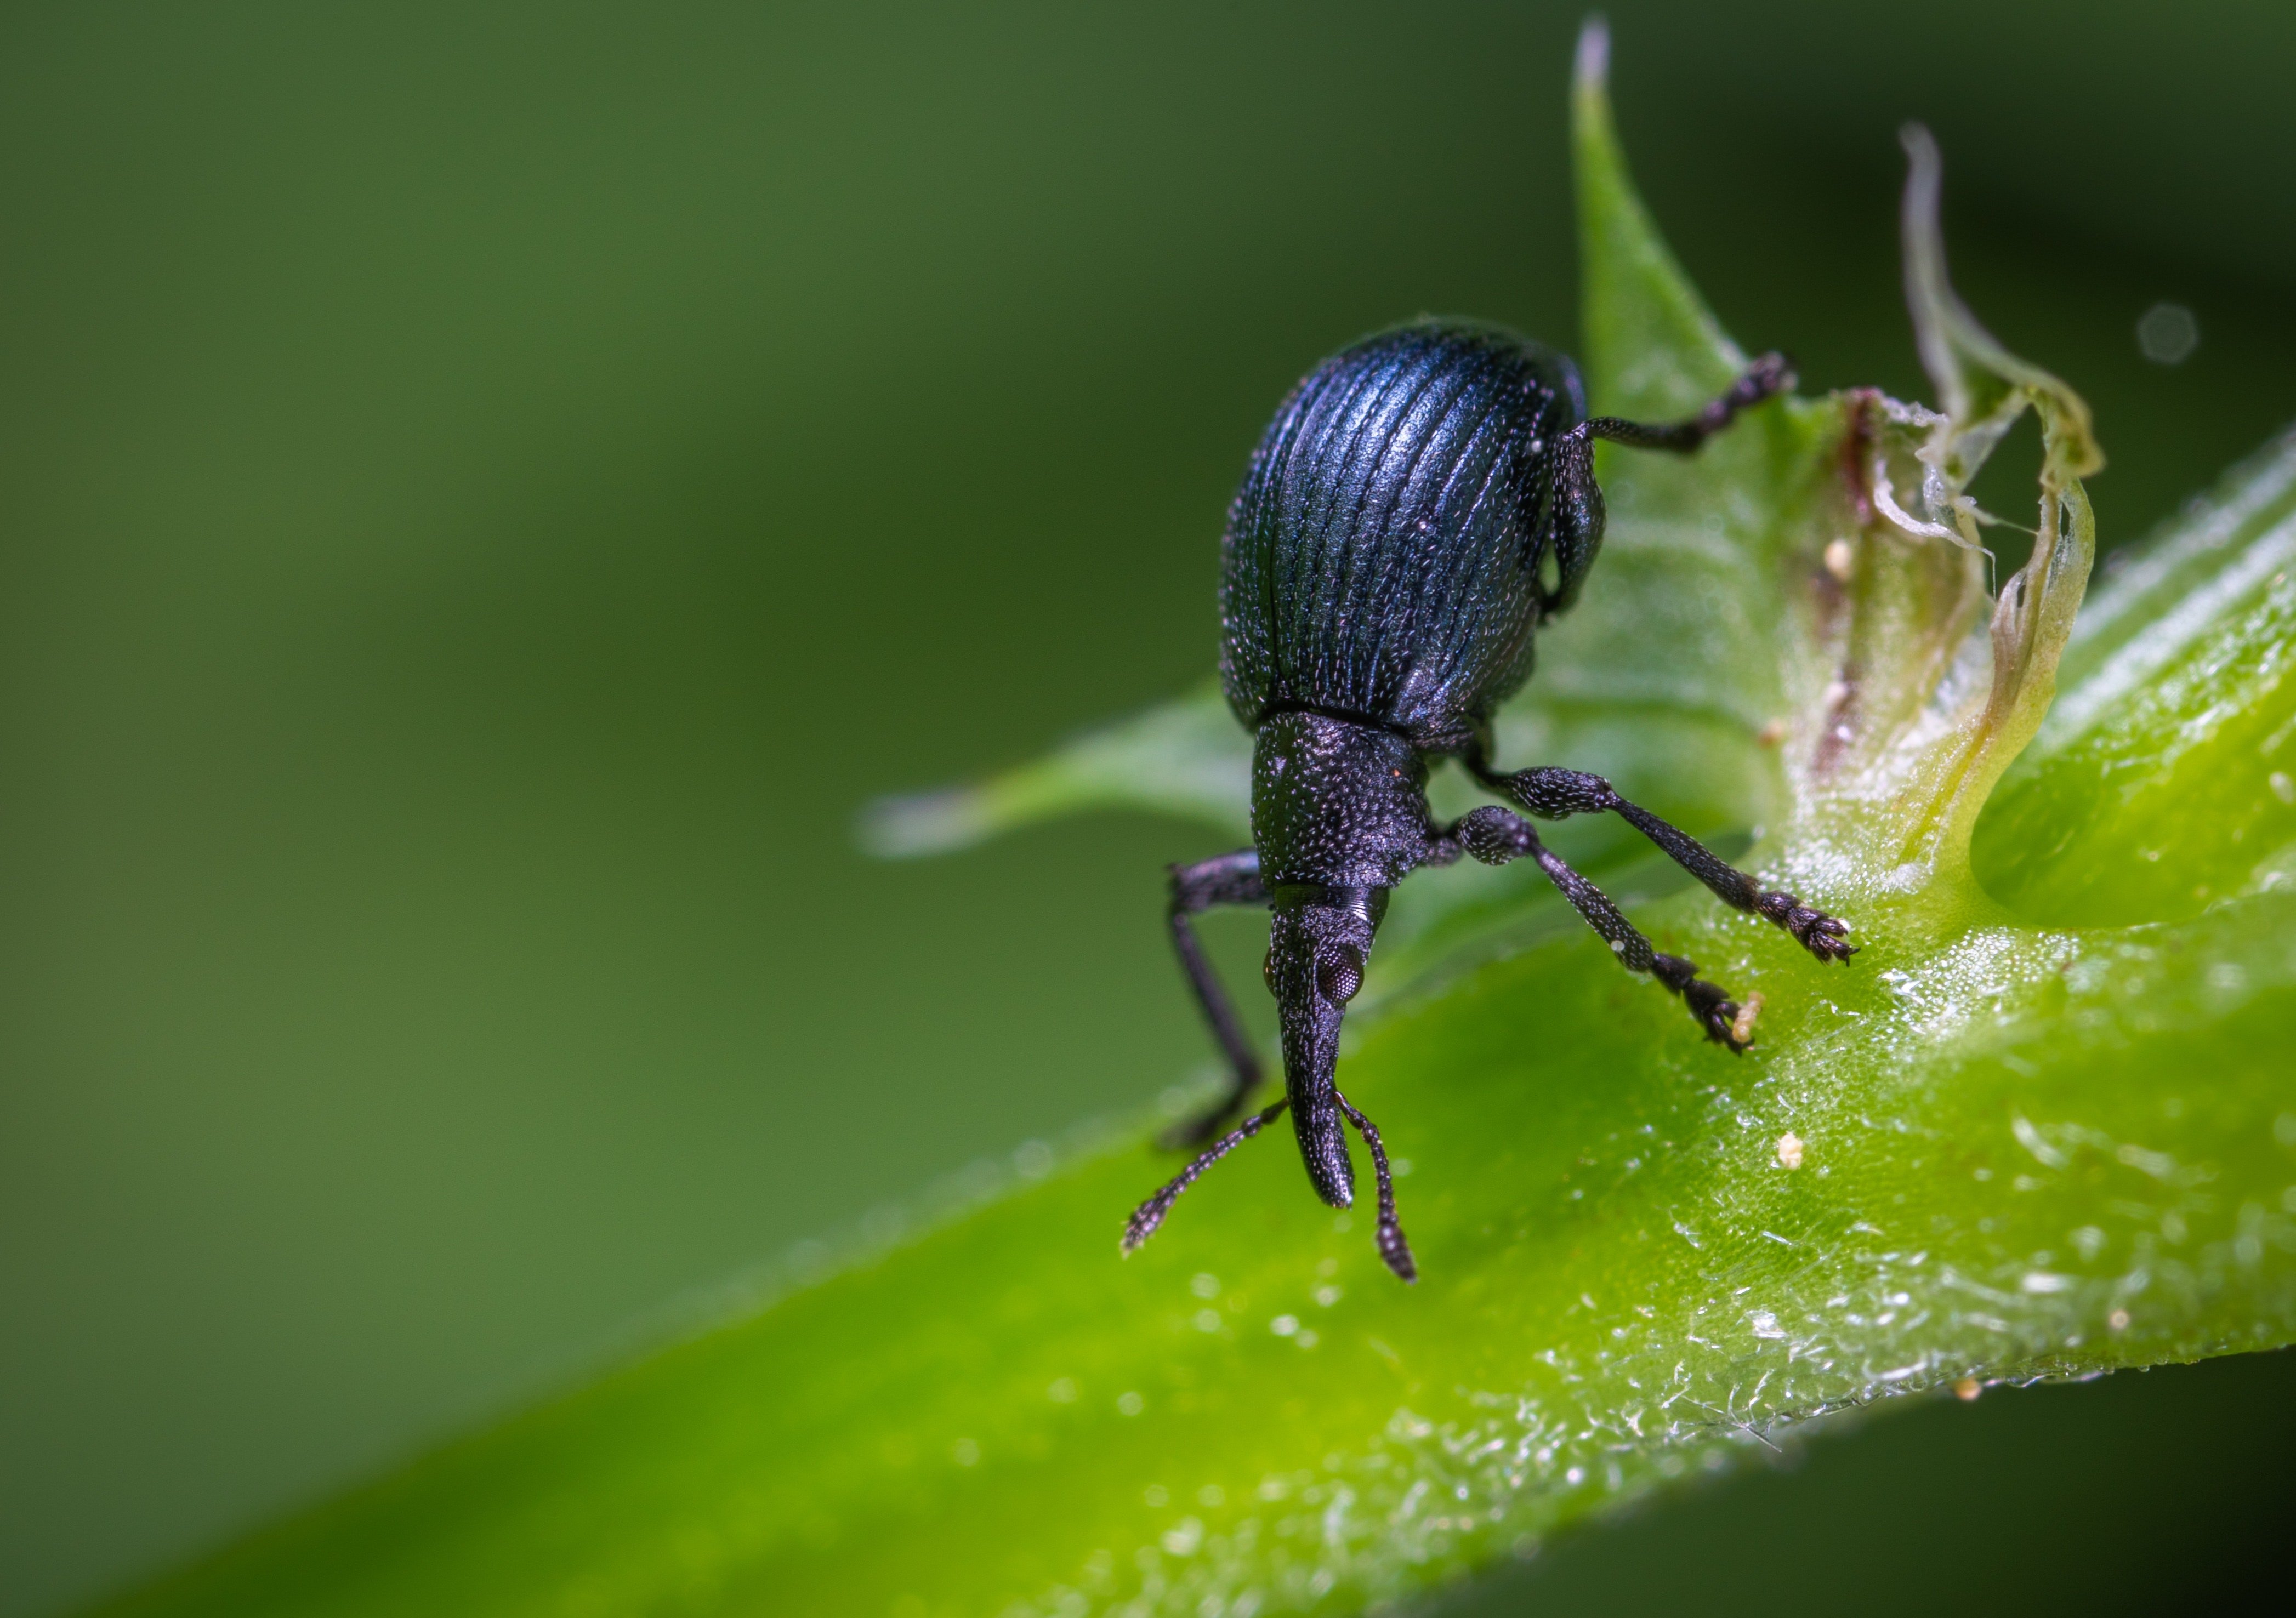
(1316, 952)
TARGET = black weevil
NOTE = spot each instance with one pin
(1421, 503)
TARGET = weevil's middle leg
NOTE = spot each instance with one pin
(1232, 878)
(1496, 836)
(1554, 795)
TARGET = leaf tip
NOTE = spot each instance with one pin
(1980, 383)
(1592, 134)
(1651, 346)
(1590, 72)
(914, 825)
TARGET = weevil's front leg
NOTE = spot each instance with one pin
(1496, 836)
(1232, 878)
(1554, 795)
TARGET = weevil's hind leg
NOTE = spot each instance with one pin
(1767, 375)
(1575, 518)
(1149, 1214)
(1232, 878)
(1496, 836)
(1554, 795)
(1392, 1247)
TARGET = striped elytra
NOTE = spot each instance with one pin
(1383, 556)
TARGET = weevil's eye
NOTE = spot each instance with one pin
(1339, 976)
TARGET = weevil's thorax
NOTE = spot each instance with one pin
(1336, 803)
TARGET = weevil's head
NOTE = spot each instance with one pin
(1339, 813)
(1319, 943)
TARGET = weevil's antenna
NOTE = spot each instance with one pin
(1150, 1213)
(1392, 1247)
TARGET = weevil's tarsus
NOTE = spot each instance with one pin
(1230, 879)
(1149, 1214)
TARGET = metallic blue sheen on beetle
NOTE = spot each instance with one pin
(1420, 505)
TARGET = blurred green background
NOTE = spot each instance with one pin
(486, 489)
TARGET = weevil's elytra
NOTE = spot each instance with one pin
(1421, 503)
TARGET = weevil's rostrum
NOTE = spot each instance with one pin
(1418, 505)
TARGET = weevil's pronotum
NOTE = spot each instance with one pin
(1421, 503)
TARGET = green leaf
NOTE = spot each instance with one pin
(1185, 758)
(2163, 784)
(2042, 1126)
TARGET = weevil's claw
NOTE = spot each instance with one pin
(1720, 1020)
(1712, 1009)
(1822, 936)
(1771, 373)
